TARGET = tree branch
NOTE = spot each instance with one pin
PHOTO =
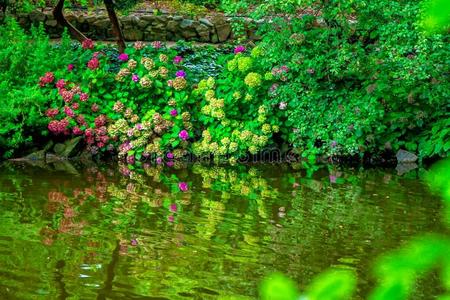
(115, 24)
(59, 16)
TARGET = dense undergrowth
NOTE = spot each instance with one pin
(322, 84)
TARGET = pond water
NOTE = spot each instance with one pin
(201, 232)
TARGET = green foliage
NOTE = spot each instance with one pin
(436, 15)
(362, 78)
(332, 285)
(23, 59)
(278, 287)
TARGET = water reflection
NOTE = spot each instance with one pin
(197, 232)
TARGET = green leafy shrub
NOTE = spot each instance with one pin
(362, 78)
(23, 59)
(237, 114)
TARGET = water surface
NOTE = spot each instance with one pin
(108, 232)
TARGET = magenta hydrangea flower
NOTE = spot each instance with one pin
(84, 97)
(173, 207)
(135, 78)
(177, 60)
(180, 73)
(239, 49)
(60, 84)
(70, 67)
(123, 57)
(69, 112)
(93, 64)
(183, 186)
(173, 112)
(87, 44)
(170, 164)
(184, 135)
(77, 131)
(170, 155)
(51, 112)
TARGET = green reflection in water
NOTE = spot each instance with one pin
(110, 232)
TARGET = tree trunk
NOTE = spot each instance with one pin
(115, 24)
(59, 16)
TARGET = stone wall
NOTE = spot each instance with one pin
(141, 26)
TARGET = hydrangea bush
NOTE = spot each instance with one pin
(142, 104)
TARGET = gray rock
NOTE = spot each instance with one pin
(37, 16)
(404, 168)
(133, 34)
(73, 147)
(142, 23)
(203, 32)
(59, 149)
(172, 26)
(51, 23)
(223, 32)
(206, 22)
(103, 23)
(38, 155)
(404, 156)
(186, 23)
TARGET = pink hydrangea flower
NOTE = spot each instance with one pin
(170, 82)
(157, 45)
(159, 160)
(123, 57)
(171, 218)
(87, 44)
(46, 79)
(84, 97)
(183, 186)
(51, 112)
(184, 135)
(135, 78)
(170, 155)
(94, 107)
(70, 67)
(173, 112)
(77, 131)
(69, 112)
(239, 49)
(93, 64)
(100, 121)
(75, 105)
(178, 60)
(131, 160)
(60, 84)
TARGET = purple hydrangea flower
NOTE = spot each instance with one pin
(180, 73)
(135, 78)
(184, 135)
(173, 207)
(178, 60)
(183, 186)
(170, 155)
(239, 49)
(123, 57)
